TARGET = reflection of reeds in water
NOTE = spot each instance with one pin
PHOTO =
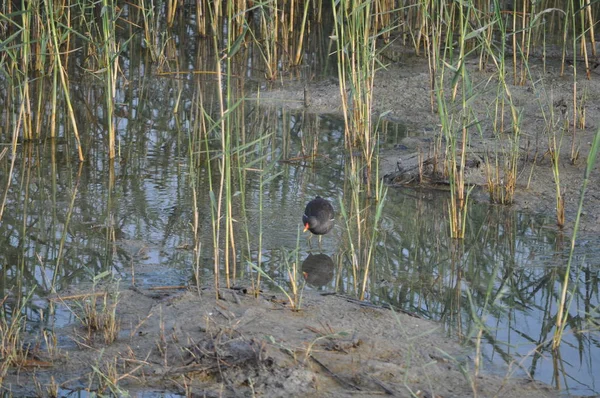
(564, 302)
(362, 218)
(478, 285)
(42, 42)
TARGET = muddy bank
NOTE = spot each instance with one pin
(403, 89)
(244, 346)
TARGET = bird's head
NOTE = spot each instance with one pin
(309, 222)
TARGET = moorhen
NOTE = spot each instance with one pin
(318, 216)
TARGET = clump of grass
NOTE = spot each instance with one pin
(13, 351)
(106, 378)
(97, 312)
(50, 390)
(101, 318)
(296, 283)
(51, 343)
(501, 175)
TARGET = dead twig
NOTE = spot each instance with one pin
(384, 306)
(77, 296)
(335, 376)
(388, 390)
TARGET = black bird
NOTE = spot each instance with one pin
(318, 216)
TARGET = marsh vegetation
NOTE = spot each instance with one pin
(162, 146)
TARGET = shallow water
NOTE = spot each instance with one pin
(66, 222)
(509, 266)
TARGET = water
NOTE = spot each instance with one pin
(510, 264)
(66, 222)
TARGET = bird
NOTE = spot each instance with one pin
(318, 216)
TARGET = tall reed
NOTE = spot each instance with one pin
(356, 44)
(110, 50)
(55, 33)
(151, 27)
(224, 160)
(502, 176)
(455, 114)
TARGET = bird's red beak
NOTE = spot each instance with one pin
(305, 227)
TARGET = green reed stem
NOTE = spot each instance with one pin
(373, 239)
(111, 61)
(299, 51)
(563, 308)
(63, 238)
(296, 283)
(354, 260)
(58, 64)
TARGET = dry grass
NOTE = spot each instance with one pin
(501, 182)
(97, 312)
(13, 350)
